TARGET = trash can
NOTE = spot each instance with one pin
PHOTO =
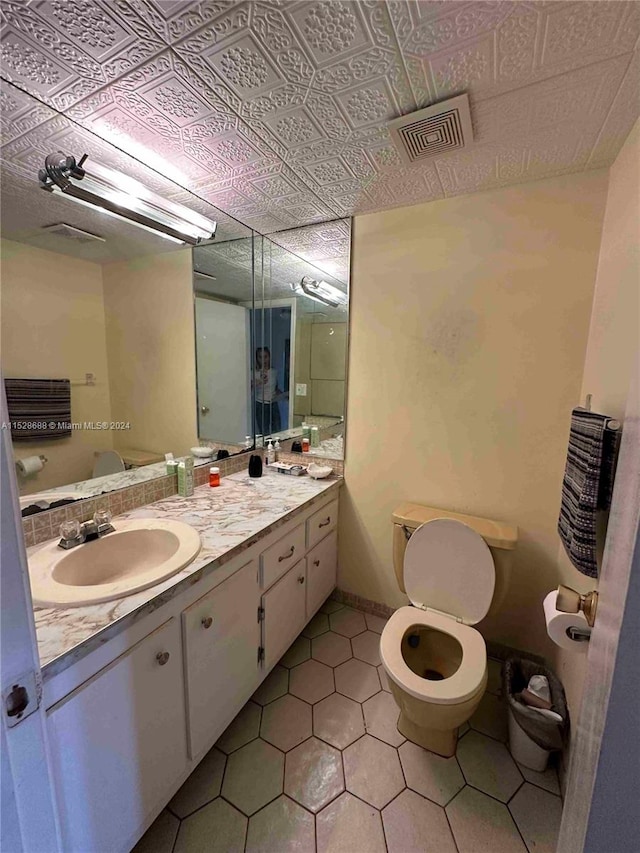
(532, 735)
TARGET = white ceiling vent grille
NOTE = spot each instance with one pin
(438, 129)
(70, 232)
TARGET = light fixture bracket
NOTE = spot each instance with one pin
(123, 197)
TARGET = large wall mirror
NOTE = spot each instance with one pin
(158, 347)
(271, 339)
(97, 315)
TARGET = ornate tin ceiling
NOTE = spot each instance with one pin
(276, 111)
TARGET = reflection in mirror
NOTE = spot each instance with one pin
(301, 334)
(223, 299)
(102, 307)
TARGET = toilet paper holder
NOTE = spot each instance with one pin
(570, 601)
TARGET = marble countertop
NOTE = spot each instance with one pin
(229, 518)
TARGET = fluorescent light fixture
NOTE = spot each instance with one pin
(321, 291)
(124, 197)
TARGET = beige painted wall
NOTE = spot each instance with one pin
(151, 351)
(612, 348)
(52, 326)
(469, 321)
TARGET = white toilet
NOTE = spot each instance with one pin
(436, 663)
(107, 462)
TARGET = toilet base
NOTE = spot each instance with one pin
(441, 742)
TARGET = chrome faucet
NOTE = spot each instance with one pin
(73, 533)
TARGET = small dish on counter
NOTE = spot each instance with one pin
(202, 452)
(318, 472)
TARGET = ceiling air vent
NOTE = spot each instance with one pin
(70, 232)
(436, 130)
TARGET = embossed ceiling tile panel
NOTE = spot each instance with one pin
(19, 112)
(401, 186)
(61, 52)
(587, 31)
(578, 98)
(621, 118)
(424, 30)
(176, 19)
(489, 48)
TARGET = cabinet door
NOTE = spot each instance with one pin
(118, 743)
(284, 613)
(322, 568)
(221, 639)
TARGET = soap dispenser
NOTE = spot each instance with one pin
(271, 454)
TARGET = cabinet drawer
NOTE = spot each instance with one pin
(321, 523)
(322, 569)
(279, 558)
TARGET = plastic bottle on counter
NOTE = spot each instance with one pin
(315, 436)
(305, 445)
(214, 477)
(276, 450)
(271, 454)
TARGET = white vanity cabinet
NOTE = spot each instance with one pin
(118, 743)
(322, 567)
(221, 637)
(283, 613)
(130, 721)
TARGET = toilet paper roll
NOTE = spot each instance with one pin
(29, 465)
(558, 623)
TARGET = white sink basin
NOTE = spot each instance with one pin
(138, 554)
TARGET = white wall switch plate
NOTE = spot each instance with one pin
(301, 389)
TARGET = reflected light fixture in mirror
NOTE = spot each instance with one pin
(122, 196)
(320, 291)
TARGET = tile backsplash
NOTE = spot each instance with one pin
(44, 525)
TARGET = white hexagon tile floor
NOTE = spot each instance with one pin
(314, 762)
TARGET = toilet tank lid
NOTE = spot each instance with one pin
(496, 534)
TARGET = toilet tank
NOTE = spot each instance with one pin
(500, 537)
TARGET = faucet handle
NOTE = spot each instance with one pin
(102, 517)
(70, 530)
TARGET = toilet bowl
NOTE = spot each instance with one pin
(435, 661)
(107, 462)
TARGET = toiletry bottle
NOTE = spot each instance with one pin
(276, 450)
(248, 442)
(305, 445)
(315, 436)
(170, 463)
(185, 477)
(255, 465)
(306, 430)
(271, 454)
(214, 477)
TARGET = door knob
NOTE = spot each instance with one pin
(207, 622)
(205, 410)
(162, 657)
(570, 601)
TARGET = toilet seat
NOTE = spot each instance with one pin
(462, 685)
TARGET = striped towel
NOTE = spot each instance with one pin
(587, 486)
(39, 409)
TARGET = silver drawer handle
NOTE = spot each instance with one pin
(324, 523)
(207, 622)
(287, 556)
(301, 579)
(162, 657)
(316, 562)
